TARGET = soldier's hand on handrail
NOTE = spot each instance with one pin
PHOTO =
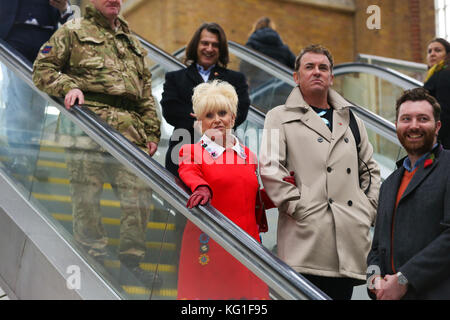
(152, 147)
(71, 98)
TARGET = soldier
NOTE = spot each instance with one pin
(97, 61)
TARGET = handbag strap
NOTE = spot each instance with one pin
(259, 187)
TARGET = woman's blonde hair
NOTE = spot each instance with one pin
(212, 96)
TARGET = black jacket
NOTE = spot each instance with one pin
(11, 10)
(420, 232)
(268, 42)
(176, 102)
(438, 86)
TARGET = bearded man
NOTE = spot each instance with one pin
(411, 247)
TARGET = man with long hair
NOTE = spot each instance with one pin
(207, 59)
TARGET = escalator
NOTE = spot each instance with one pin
(275, 83)
(40, 258)
(44, 191)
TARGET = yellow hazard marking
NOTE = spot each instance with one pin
(148, 244)
(145, 266)
(116, 222)
(132, 290)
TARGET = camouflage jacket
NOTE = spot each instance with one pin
(88, 55)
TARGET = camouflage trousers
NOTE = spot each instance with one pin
(89, 169)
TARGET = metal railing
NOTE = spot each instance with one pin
(283, 280)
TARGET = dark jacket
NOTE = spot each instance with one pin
(10, 10)
(438, 86)
(268, 42)
(176, 102)
(25, 38)
(420, 229)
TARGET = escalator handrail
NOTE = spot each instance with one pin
(260, 56)
(393, 63)
(157, 51)
(286, 282)
(338, 69)
(383, 126)
(383, 72)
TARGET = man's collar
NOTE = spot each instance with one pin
(202, 69)
(406, 163)
(98, 17)
(216, 150)
(296, 100)
(204, 73)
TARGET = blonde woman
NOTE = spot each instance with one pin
(221, 170)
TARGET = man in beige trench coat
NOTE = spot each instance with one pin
(324, 223)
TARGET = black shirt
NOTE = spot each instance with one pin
(326, 115)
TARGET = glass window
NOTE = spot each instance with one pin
(442, 8)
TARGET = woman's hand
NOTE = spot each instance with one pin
(290, 178)
(201, 196)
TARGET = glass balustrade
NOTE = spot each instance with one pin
(370, 91)
(91, 204)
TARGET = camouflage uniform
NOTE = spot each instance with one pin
(103, 63)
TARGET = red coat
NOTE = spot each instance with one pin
(206, 270)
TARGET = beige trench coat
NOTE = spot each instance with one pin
(324, 223)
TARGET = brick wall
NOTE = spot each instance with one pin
(406, 25)
(406, 28)
(171, 23)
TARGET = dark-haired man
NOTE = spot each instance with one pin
(324, 221)
(410, 256)
(207, 59)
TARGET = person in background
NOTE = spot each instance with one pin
(265, 39)
(437, 82)
(265, 90)
(410, 255)
(324, 223)
(25, 26)
(98, 63)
